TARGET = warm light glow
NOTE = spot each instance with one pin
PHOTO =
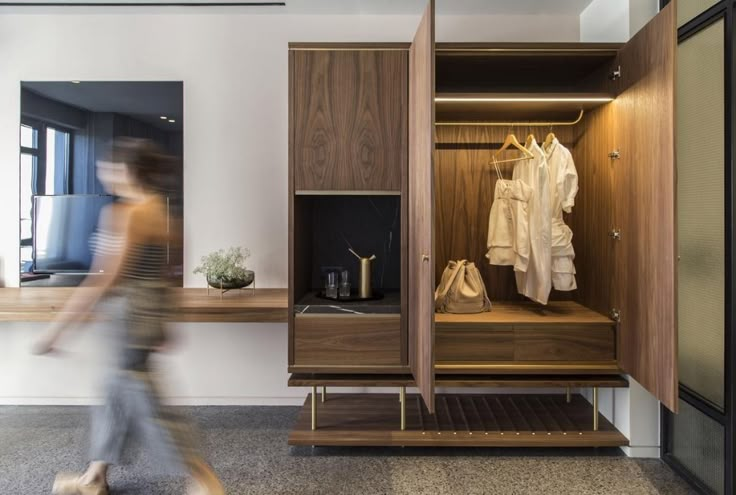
(471, 99)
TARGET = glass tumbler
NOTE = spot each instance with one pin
(331, 285)
(345, 284)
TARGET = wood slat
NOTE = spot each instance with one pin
(193, 305)
(373, 420)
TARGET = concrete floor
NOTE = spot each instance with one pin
(247, 446)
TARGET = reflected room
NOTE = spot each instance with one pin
(66, 128)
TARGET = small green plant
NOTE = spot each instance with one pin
(224, 265)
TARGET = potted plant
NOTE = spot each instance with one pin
(227, 269)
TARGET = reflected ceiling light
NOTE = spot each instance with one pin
(172, 120)
(471, 99)
(76, 82)
(163, 117)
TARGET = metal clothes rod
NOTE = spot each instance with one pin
(515, 124)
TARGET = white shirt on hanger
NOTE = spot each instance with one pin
(536, 282)
(563, 185)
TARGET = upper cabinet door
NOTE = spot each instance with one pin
(421, 207)
(349, 119)
(644, 132)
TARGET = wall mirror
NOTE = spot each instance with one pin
(65, 128)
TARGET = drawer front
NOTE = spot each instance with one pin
(568, 343)
(459, 344)
(349, 340)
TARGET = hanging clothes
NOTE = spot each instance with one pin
(563, 186)
(508, 224)
(536, 282)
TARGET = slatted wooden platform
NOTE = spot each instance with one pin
(499, 420)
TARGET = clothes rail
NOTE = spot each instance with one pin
(515, 124)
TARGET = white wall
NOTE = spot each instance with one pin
(234, 69)
(605, 21)
(615, 20)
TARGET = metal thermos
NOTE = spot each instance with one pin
(365, 290)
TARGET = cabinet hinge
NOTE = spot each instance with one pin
(616, 74)
(614, 155)
(615, 234)
(615, 314)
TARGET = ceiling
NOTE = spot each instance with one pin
(146, 101)
(378, 7)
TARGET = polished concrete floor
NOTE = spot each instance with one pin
(247, 446)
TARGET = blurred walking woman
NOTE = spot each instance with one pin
(130, 282)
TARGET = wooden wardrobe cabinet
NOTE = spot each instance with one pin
(348, 118)
(439, 111)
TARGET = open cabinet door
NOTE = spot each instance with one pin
(645, 290)
(421, 207)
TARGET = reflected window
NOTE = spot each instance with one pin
(57, 161)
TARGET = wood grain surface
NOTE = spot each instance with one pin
(553, 314)
(516, 381)
(527, 420)
(572, 343)
(349, 119)
(592, 218)
(421, 206)
(347, 340)
(645, 281)
(194, 305)
(460, 343)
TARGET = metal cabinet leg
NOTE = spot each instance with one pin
(314, 407)
(324, 393)
(595, 408)
(402, 398)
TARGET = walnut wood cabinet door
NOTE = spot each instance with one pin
(644, 132)
(421, 207)
(349, 119)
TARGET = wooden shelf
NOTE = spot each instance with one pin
(460, 421)
(520, 381)
(41, 304)
(556, 313)
(515, 107)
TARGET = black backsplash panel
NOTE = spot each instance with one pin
(368, 224)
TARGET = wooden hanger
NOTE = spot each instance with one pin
(512, 141)
(548, 140)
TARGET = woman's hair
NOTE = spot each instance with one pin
(146, 162)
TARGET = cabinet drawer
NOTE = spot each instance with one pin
(458, 343)
(347, 340)
(568, 343)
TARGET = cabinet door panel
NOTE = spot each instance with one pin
(645, 206)
(349, 119)
(421, 207)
